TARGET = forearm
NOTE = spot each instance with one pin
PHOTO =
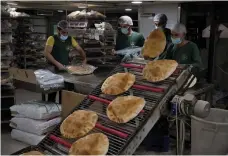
(51, 59)
(81, 52)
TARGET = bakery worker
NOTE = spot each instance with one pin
(183, 51)
(58, 47)
(126, 37)
(160, 21)
(57, 50)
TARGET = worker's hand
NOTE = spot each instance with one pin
(84, 62)
(113, 52)
(61, 67)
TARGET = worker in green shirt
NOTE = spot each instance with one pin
(160, 21)
(183, 51)
(57, 50)
(126, 37)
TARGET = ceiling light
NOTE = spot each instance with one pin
(136, 2)
(60, 10)
(13, 9)
(128, 9)
(11, 3)
(82, 6)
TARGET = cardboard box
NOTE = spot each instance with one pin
(69, 101)
(25, 75)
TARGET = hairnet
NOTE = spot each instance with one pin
(179, 28)
(125, 20)
(63, 25)
(161, 19)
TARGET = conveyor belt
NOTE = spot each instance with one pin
(123, 138)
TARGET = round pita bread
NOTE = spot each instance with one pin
(93, 144)
(155, 44)
(159, 70)
(118, 83)
(125, 108)
(78, 124)
(81, 70)
(33, 153)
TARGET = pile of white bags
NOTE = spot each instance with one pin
(48, 80)
(32, 120)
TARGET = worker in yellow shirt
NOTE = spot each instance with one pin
(57, 50)
(58, 47)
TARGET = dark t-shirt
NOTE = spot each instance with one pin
(125, 41)
(187, 54)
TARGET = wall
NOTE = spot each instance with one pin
(146, 24)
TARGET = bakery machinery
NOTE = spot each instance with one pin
(124, 139)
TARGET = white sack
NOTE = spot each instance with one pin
(38, 127)
(25, 137)
(36, 110)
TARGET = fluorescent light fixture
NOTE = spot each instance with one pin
(82, 6)
(11, 3)
(13, 9)
(128, 9)
(60, 10)
(136, 2)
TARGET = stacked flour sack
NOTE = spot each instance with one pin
(32, 120)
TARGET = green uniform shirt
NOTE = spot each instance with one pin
(187, 54)
(125, 41)
(61, 50)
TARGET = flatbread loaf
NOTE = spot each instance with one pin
(93, 144)
(33, 153)
(81, 70)
(78, 124)
(123, 109)
(155, 44)
(118, 83)
(159, 70)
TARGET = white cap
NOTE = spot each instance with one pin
(125, 20)
(179, 28)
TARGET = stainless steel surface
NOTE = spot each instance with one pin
(86, 83)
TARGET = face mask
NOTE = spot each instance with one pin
(156, 27)
(176, 40)
(124, 31)
(63, 37)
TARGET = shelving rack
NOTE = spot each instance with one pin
(7, 88)
(29, 44)
(97, 44)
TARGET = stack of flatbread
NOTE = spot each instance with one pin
(125, 108)
(93, 144)
(78, 124)
(33, 153)
(118, 83)
(81, 70)
(155, 44)
(159, 70)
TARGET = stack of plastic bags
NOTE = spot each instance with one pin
(48, 80)
(32, 120)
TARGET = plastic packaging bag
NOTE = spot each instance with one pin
(25, 137)
(38, 127)
(36, 110)
(48, 80)
(129, 53)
